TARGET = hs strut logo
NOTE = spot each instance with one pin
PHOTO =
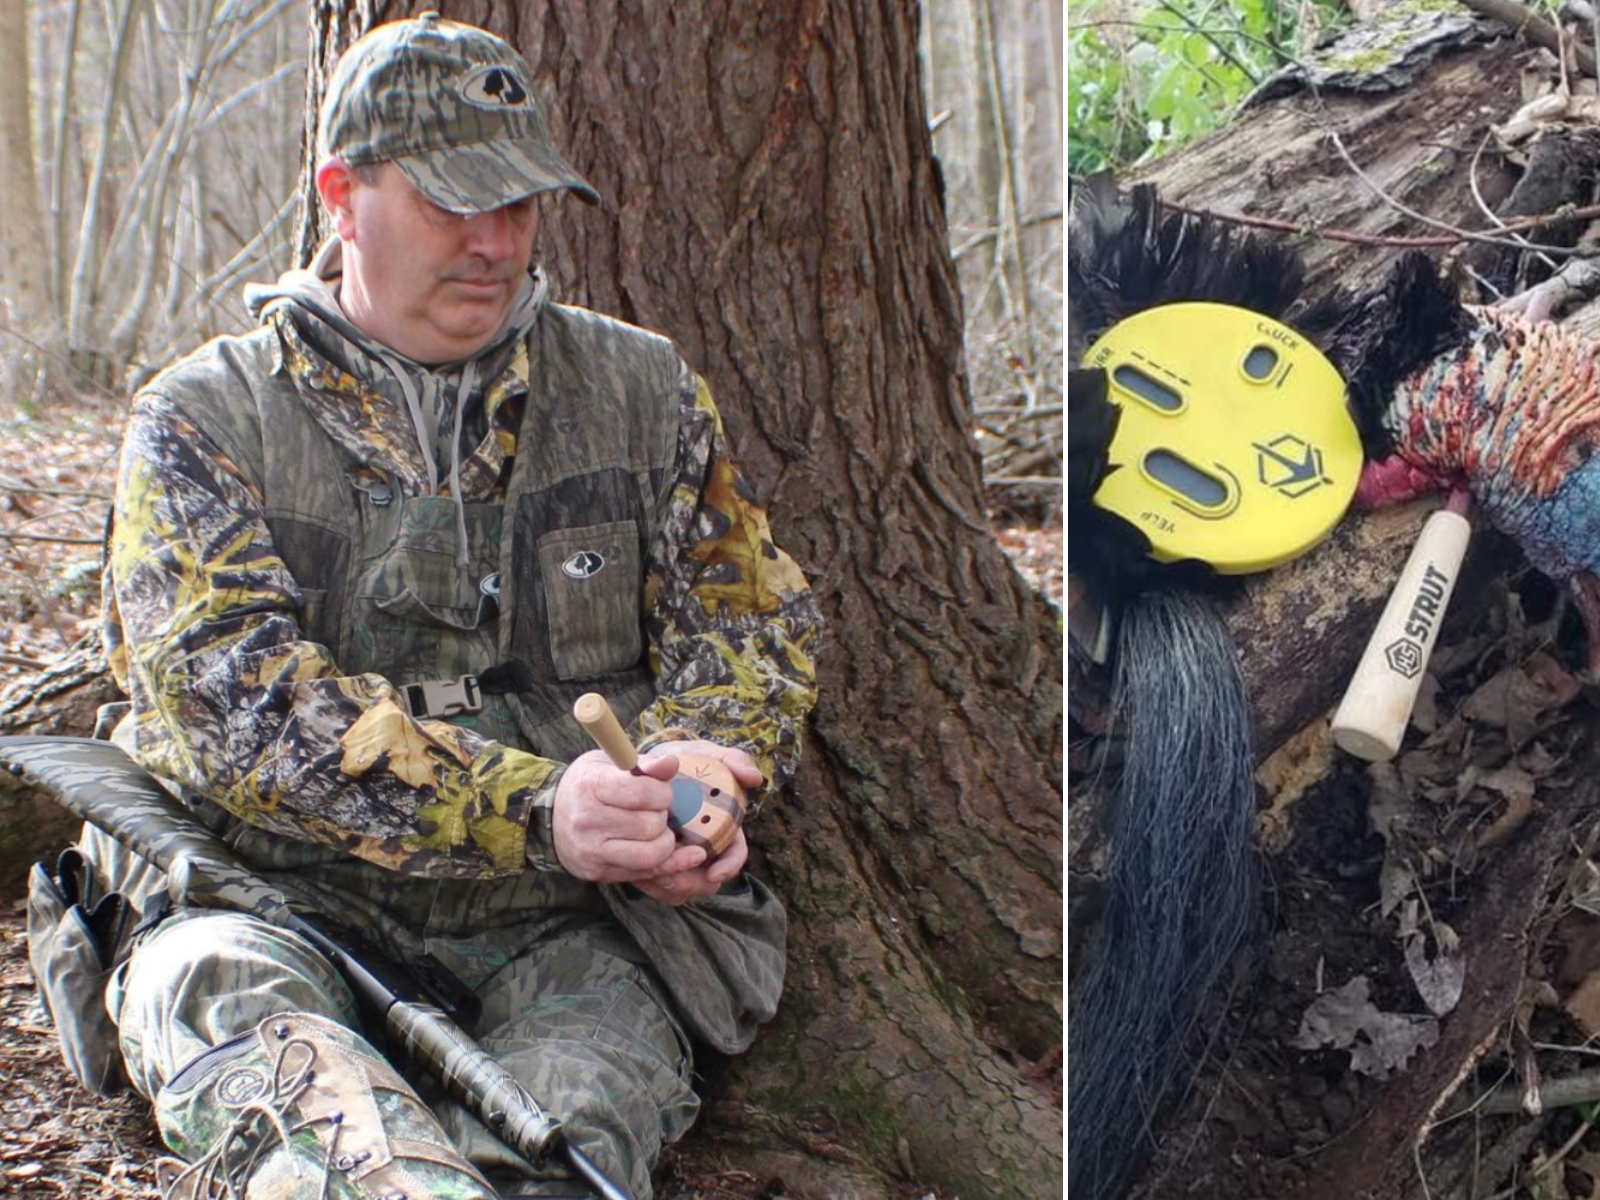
(1407, 654)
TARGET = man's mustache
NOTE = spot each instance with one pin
(483, 273)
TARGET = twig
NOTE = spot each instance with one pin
(1434, 223)
(1023, 481)
(9, 485)
(1421, 241)
(1017, 414)
(1255, 80)
(1486, 284)
(1563, 1048)
(1580, 1087)
(1531, 26)
(1566, 1148)
(1152, 27)
(17, 660)
(11, 536)
(989, 235)
(81, 377)
(1422, 1174)
(1483, 205)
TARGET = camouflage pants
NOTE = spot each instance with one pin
(576, 1019)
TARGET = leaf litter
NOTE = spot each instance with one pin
(1435, 938)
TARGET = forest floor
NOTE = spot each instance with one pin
(58, 1141)
(1427, 957)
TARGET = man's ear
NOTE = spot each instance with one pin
(335, 182)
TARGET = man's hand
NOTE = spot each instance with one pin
(679, 887)
(610, 826)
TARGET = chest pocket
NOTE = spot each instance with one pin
(593, 594)
(421, 613)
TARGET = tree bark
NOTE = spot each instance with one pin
(1281, 159)
(773, 206)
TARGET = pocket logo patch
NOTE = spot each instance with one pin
(583, 564)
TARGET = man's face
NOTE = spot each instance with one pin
(431, 284)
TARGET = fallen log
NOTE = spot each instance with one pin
(61, 699)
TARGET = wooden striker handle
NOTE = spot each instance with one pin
(1371, 720)
(595, 715)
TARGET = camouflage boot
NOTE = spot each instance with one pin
(303, 1109)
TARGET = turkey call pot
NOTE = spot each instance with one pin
(708, 805)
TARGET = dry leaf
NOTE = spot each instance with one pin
(1288, 773)
(1439, 979)
(1425, 712)
(383, 731)
(1517, 786)
(1392, 810)
(1379, 1042)
(1583, 1005)
(1518, 698)
(1510, 781)
(1396, 881)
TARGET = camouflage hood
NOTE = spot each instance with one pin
(429, 426)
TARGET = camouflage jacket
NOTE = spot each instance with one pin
(212, 596)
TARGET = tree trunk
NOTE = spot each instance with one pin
(24, 282)
(772, 205)
(85, 320)
(23, 266)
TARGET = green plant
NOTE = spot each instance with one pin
(1146, 77)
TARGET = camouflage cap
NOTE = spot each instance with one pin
(452, 106)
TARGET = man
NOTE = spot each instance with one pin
(362, 561)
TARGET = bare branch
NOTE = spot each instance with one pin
(12, 536)
(1421, 242)
(989, 235)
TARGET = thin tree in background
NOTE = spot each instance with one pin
(83, 300)
(58, 158)
(1016, 295)
(24, 282)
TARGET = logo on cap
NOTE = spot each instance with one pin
(493, 87)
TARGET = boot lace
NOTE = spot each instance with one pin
(259, 1125)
